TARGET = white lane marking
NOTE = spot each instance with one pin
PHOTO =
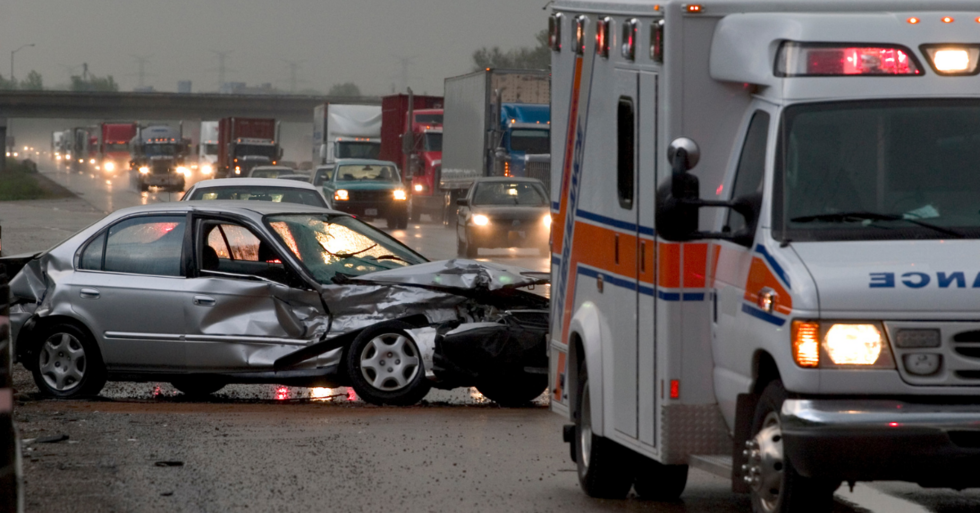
(872, 499)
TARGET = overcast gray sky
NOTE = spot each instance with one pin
(338, 40)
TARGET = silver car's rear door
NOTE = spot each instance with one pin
(243, 310)
(129, 289)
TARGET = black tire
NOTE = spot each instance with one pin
(658, 482)
(391, 221)
(180, 186)
(461, 248)
(472, 250)
(381, 391)
(195, 386)
(605, 468)
(514, 390)
(796, 493)
(402, 220)
(143, 186)
(55, 349)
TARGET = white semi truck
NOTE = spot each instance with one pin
(346, 132)
(207, 148)
(766, 221)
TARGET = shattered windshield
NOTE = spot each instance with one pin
(879, 170)
(331, 244)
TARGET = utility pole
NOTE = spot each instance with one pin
(293, 71)
(141, 74)
(404, 75)
(222, 69)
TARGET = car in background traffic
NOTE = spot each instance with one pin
(270, 171)
(256, 189)
(207, 293)
(296, 177)
(322, 174)
(503, 212)
(371, 189)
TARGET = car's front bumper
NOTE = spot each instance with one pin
(371, 209)
(162, 179)
(497, 235)
(931, 444)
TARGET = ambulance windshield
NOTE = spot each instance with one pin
(881, 170)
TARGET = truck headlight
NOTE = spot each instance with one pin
(109, 166)
(840, 344)
(207, 169)
(144, 170)
(419, 187)
(400, 195)
(341, 195)
(181, 170)
(481, 220)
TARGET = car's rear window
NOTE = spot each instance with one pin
(273, 194)
(525, 194)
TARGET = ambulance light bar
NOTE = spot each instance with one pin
(841, 59)
(953, 59)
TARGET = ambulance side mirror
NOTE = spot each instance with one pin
(677, 199)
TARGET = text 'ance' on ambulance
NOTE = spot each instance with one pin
(765, 244)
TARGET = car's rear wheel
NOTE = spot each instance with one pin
(385, 366)
(195, 386)
(514, 389)
(67, 363)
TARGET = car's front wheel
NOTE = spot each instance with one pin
(385, 366)
(67, 363)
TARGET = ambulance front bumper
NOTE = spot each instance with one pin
(935, 445)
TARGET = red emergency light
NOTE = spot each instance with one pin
(630, 31)
(840, 59)
(657, 41)
(554, 31)
(581, 24)
(602, 37)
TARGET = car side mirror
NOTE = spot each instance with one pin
(462, 202)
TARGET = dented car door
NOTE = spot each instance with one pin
(245, 307)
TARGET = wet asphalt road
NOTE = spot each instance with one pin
(295, 449)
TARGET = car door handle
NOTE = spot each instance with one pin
(204, 301)
(90, 294)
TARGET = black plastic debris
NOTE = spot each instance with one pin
(53, 439)
(169, 463)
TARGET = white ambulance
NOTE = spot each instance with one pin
(765, 244)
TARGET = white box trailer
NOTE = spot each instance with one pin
(818, 322)
(346, 131)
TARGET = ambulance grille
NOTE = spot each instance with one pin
(948, 356)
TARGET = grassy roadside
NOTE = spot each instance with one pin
(18, 182)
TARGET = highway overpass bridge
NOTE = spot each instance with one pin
(152, 106)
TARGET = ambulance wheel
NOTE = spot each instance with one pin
(514, 390)
(605, 469)
(659, 482)
(385, 366)
(775, 485)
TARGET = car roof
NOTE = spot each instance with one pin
(255, 182)
(282, 168)
(252, 209)
(357, 162)
(507, 179)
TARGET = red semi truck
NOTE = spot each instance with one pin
(416, 147)
(114, 151)
(244, 143)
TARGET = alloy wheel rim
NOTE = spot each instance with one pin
(62, 362)
(390, 362)
(585, 429)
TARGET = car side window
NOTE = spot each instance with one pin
(146, 245)
(91, 258)
(751, 166)
(231, 248)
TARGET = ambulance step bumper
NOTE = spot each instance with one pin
(934, 445)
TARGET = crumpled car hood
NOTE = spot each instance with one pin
(458, 274)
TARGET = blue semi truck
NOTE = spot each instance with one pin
(496, 123)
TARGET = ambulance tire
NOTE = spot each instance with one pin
(658, 482)
(605, 468)
(796, 493)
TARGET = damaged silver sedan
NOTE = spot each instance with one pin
(204, 294)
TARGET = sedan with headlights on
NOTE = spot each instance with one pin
(370, 189)
(503, 212)
(257, 189)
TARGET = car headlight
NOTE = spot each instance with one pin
(181, 170)
(238, 170)
(91, 161)
(144, 170)
(207, 169)
(546, 220)
(341, 195)
(481, 220)
(109, 166)
(400, 195)
(843, 344)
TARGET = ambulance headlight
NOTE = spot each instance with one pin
(840, 345)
